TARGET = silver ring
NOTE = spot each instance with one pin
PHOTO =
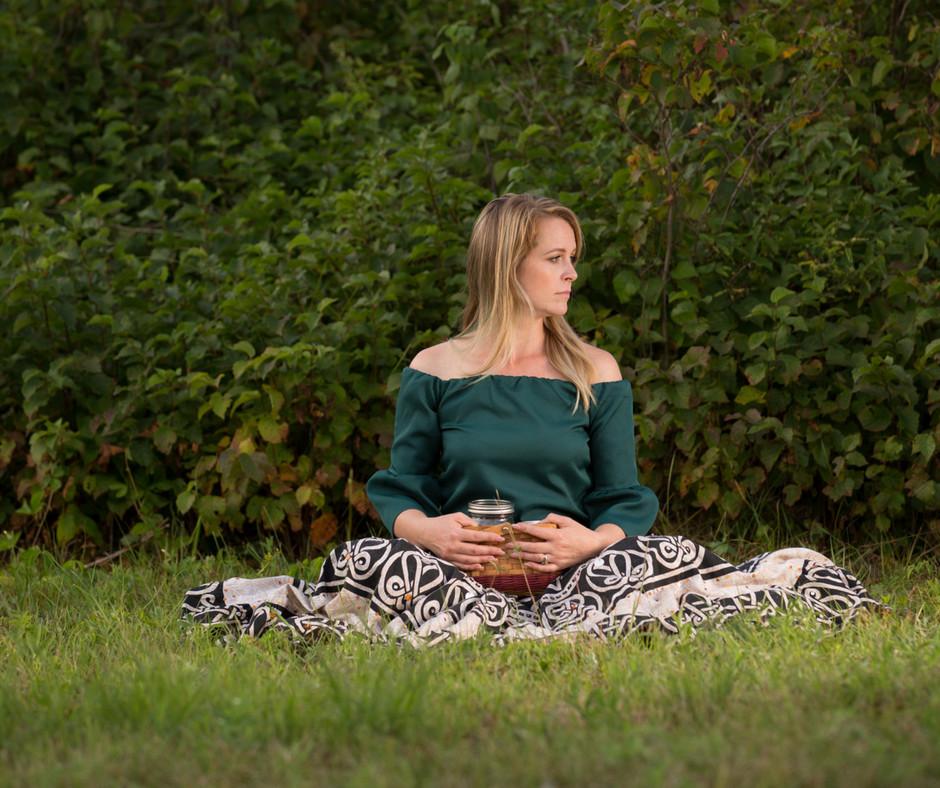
(544, 559)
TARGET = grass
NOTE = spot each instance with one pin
(101, 684)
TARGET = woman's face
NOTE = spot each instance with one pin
(547, 272)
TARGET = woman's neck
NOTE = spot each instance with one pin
(529, 342)
(529, 350)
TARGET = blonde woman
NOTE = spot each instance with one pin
(546, 421)
(518, 403)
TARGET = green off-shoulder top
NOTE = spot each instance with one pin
(456, 440)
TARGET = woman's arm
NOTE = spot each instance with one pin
(572, 543)
(446, 537)
(609, 534)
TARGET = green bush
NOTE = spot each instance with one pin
(226, 228)
(779, 193)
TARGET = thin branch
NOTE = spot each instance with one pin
(136, 230)
(665, 137)
(786, 121)
(667, 266)
(117, 553)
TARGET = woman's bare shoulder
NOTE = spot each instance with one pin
(437, 360)
(606, 368)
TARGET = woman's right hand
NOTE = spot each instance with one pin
(446, 537)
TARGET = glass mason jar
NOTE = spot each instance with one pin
(491, 511)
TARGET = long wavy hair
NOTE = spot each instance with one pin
(503, 235)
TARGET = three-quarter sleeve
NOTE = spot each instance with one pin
(411, 481)
(616, 496)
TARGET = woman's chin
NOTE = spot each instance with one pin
(552, 312)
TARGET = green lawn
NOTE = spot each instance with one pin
(102, 684)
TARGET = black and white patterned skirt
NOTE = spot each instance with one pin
(391, 590)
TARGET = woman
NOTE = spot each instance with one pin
(517, 406)
(526, 429)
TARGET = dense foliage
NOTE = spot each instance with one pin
(227, 226)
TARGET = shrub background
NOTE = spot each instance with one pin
(227, 226)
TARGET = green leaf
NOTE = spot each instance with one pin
(23, 320)
(8, 540)
(890, 449)
(530, 130)
(882, 67)
(706, 494)
(244, 398)
(766, 44)
(277, 399)
(851, 442)
(856, 459)
(501, 169)
(791, 494)
(924, 445)
(701, 87)
(779, 293)
(755, 373)
(303, 493)
(310, 493)
(272, 430)
(842, 488)
(73, 522)
(219, 404)
(299, 241)
(393, 383)
(185, 500)
(164, 438)
(210, 508)
(250, 468)
(932, 349)
(245, 347)
(875, 417)
(272, 513)
(748, 394)
(791, 367)
(925, 491)
(626, 285)
(68, 527)
(756, 339)
(769, 452)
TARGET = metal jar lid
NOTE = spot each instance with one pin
(491, 508)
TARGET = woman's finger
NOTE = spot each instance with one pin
(468, 563)
(468, 535)
(560, 519)
(540, 567)
(479, 560)
(548, 534)
(479, 550)
(531, 548)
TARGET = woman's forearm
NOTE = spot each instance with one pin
(608, 534)
(412, 524)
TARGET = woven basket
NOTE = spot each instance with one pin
(508, 574)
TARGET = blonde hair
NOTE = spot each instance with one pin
(503, 235)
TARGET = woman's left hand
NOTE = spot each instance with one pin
(569, 544)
